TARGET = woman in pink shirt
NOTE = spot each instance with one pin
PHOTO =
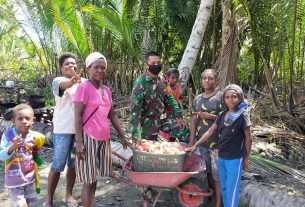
(93, 109)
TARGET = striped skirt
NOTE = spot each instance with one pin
(97, 161)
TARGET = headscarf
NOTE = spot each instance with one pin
(94, 57)
(242, 106)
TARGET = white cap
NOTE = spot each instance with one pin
(94, 57)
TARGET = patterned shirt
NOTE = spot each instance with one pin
(212, 105)
(147, 105)
(19, 166)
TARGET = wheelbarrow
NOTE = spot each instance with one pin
(189, 191)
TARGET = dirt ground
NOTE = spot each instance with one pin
(109, 191)
(113, 193)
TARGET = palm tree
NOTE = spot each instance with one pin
(194, 43)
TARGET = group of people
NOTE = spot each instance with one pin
(219, 128)
(219, 131)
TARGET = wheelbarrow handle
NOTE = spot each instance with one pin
(119, 156)
(122, 180)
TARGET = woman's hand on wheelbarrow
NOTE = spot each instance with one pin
(190, 149)
(136, 142)
(125, 143)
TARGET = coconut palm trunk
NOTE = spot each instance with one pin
(194, 42)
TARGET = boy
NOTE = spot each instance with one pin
(171, 129)
(18, 147)
(173, 86)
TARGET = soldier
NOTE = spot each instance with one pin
(148, 101)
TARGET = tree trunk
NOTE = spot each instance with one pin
(256, 65)
(228, 55)
(194, 42)
(290, 103)
(302, 63)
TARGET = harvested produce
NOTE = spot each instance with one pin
(165, 148)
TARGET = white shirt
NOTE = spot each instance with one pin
(64, 113)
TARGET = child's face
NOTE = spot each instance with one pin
(173, 79)
(23, 121)
(69, 67)
(208, 81)
(232, 99)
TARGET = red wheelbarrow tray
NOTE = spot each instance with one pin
(157, 179)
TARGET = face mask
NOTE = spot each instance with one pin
(155, 69)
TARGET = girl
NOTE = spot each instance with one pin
(206, 107)
(233, 125)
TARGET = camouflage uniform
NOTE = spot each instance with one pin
(147, 105)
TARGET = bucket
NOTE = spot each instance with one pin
(9, 84)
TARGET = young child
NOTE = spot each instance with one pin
(19, 146)
(233, 125)
(171, 128)
(173, 86)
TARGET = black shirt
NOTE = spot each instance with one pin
(231, 142)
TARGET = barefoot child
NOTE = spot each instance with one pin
(233, 125)
(18, 147)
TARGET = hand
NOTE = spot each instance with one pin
(136, 142)
(246, 164)
(203, 115)
(17, 141)
(76, 76)
(124, 142)
(80, 150)
(190, 149)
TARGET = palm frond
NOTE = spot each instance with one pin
(276, 168)
(112, 21)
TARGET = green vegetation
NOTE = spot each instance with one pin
(254, 42)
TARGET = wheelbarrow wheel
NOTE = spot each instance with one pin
(187, 200)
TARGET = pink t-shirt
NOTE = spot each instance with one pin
(97, 127)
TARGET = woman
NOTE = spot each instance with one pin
(93, 108)
(205, 110)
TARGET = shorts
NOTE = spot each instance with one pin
(210, 156)
(97, 161)
(63, 145)
(20, 196)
